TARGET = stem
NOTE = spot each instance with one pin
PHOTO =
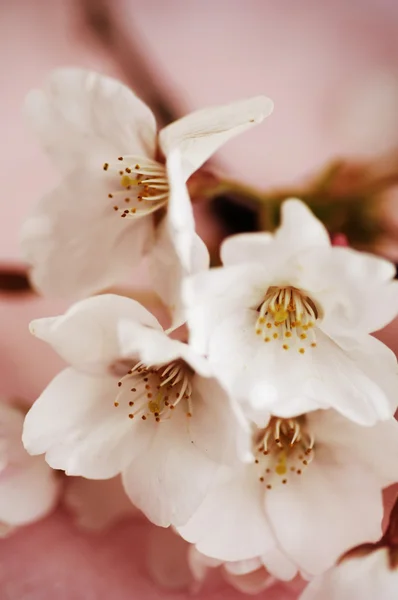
(391, 535)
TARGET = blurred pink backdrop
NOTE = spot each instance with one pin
(313, 58)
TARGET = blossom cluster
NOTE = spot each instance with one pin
(260, 424)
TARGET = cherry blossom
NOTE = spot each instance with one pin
(135, 402)
(313, 491)
(286, 321)
(89, 232)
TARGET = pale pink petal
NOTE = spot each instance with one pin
(279, 565)
(231, 524)
(75, 242)
(354, 284)
(242, 567)
(251, 583)
(212, 295)
(170, 479)
(376, 446)
(178, 251)
(81, 117)
(326, 376)
(246, 247)
(77, 425)
(333, 505)
(200, 564)
(201, 133)
(86, 336)
(300, 228)
(154, 347)
(217, 425)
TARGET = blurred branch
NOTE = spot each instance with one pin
(14, 280)
(101, 20)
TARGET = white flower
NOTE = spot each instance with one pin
(286, 321)
(134, 402)
(369, 577)
(368, 572)
(28, 487)
(314, 491)
(86, 234)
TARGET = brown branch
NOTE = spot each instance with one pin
(125, 50)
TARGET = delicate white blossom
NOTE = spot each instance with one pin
(313, 491)
(134, 402)
(286, 321)
(28, 487)
(368, 577)
(90, 231)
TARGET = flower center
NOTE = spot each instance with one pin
(287, 315)
(139, 185)
(155, 391)
(283, 449)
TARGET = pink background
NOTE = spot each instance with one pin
(313, 58)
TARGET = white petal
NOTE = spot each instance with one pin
(246, 247)
(362, 266)
(75, 242)
(325, 376)
(97, 505)
(199, 564)
(251, 583)
(154, 347)
(365, 578)
(333, 505)
(242, 567)
(201, 133)
(373, 358)
(376, 446)
(178, 251)
(78, 427)
(300, 228)
(217, 426)
(230, 524)
(86, 336)
(279, 565)
(81, 115)
(379, 307)
(169, 480)
(213, 295)
(359, 292)
(28, 492)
